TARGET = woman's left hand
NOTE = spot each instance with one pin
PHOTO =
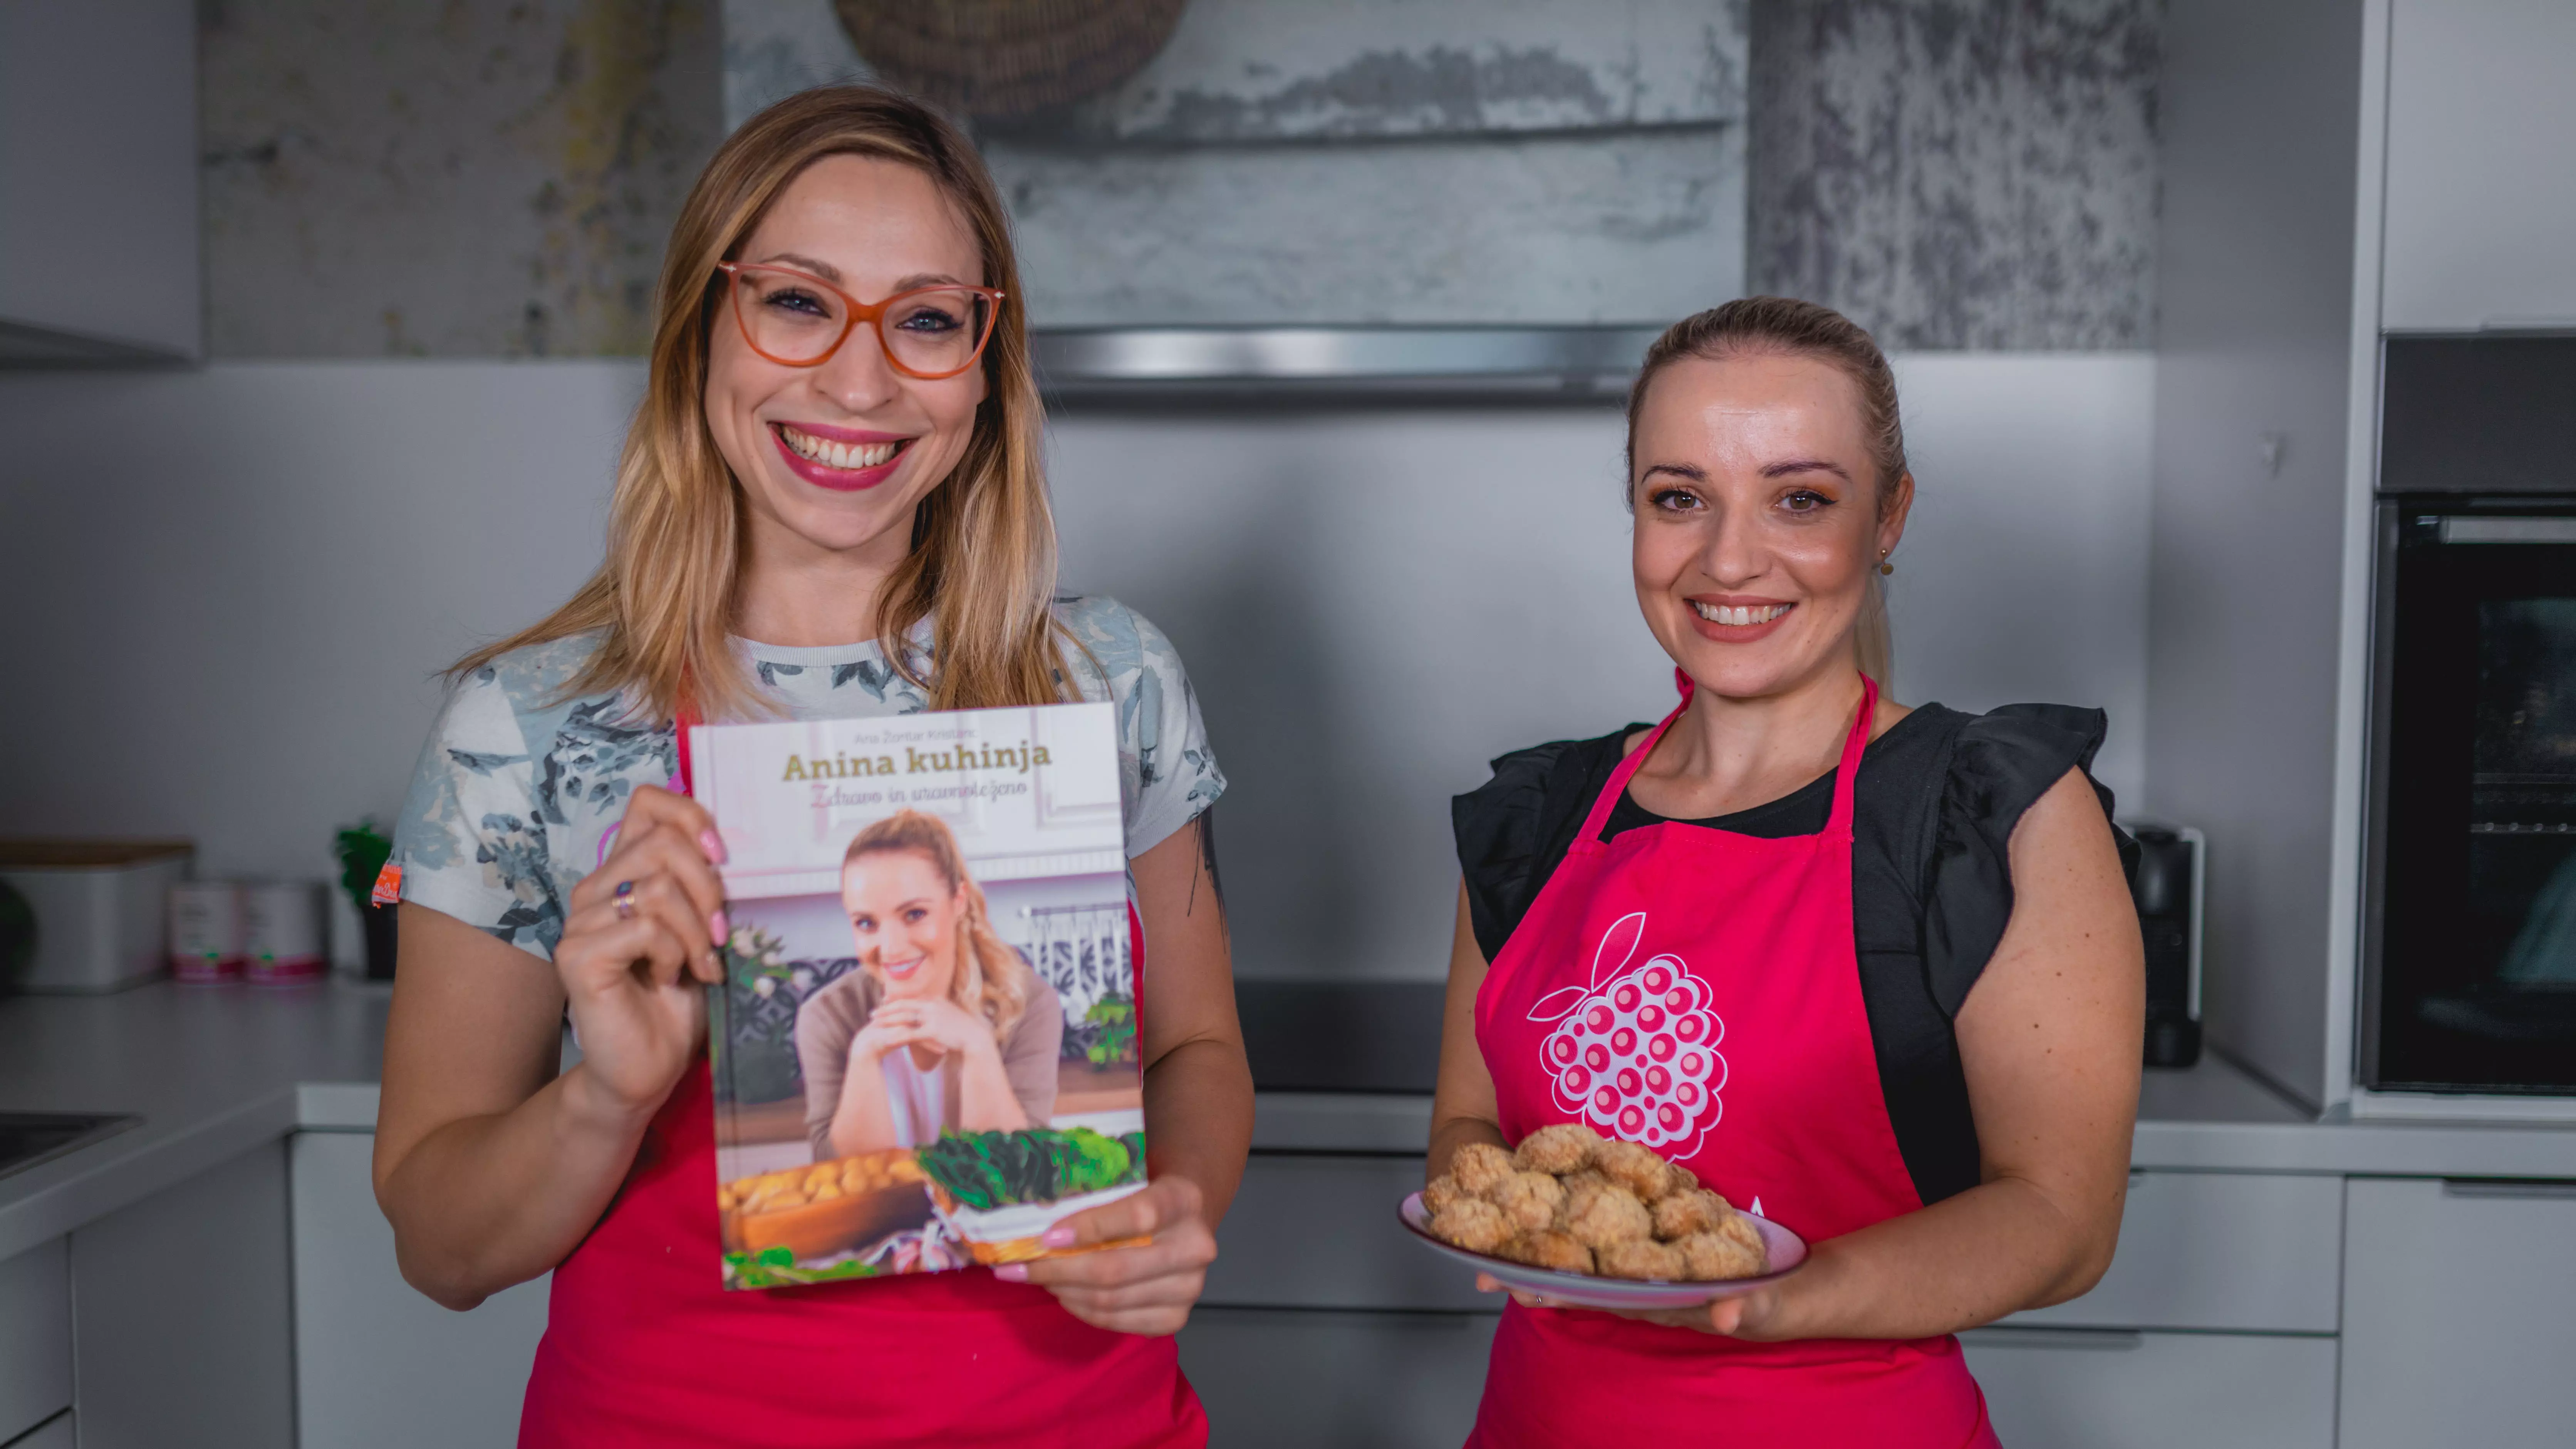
(1746, 1316)
(942, 1025)
(1148, 1289)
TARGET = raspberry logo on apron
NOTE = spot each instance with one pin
(1635, 1052)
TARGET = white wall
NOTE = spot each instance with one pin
(1473, 566)
(227, 593)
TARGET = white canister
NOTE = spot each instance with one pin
(206, 930)
(282, 932)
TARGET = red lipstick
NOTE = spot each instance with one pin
(839, 480)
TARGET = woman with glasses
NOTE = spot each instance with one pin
(829, 506)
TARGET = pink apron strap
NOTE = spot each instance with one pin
(1587, 841)
(1847, 773)
(681, 724)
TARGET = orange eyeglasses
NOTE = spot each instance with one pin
(799, 320)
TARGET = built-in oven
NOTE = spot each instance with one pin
(2469, 968)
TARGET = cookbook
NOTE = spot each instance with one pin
(924, 1051)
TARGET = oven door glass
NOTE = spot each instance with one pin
(2476, 960)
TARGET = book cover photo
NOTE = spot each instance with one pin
(924, 1051)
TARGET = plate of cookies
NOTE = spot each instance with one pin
(1580, 1220)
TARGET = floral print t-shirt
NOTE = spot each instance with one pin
(520, 788)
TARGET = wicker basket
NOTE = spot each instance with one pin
(1007, 58)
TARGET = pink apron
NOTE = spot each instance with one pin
(644, 1349)
(1697, 991)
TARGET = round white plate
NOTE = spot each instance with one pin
(1785, 1249)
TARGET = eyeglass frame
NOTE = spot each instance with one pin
(859, 312)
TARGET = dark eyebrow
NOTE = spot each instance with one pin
(825, 270)
(1691, 471)
(832, 274)
(1805, 465)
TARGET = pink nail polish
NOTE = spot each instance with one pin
(713, 845)
(1059, 1236)
(1012, 1272)
(720, 929)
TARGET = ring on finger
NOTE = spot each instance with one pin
(625, 900)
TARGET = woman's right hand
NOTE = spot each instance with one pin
(893, 1024)
(633, 977)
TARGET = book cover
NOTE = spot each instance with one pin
(924, 1051)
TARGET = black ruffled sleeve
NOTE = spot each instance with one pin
(2001, 763)
(1512, 829)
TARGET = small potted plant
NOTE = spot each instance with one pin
(363, 851)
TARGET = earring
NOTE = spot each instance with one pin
(1884, 567)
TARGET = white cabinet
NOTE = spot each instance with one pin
(2481, 218)
(378, 1366)
(2459, 1313)
(2103, 1389)
(1319, 1231)
(181, 1328)
(2251, 1251)
(35, 1338)
(98, 183)
(1296, 1379)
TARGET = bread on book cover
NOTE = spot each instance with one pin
(924, 1051)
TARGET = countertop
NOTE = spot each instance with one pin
(215, 1071)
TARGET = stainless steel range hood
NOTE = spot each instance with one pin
(1270, 362)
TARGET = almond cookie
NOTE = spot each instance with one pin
(1548, 1248)
(1559, 1149)
(1479, 1165)
(1440, 1192)
(1473, 1224)
(1529, 1199)
(1710, 1256)
(1692, 1210)
(1641, 1258)
(1601, 1215)
(1637, 1169)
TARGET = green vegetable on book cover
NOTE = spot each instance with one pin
(987, 1170)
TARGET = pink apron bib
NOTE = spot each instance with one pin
(1697, 991)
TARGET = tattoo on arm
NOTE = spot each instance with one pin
(1206, 824)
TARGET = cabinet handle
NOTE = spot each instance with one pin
(2098, 1340)
(2509, 1187)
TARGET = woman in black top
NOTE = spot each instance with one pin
(1939, 795)
(1895, 947)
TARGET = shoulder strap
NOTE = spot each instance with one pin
(1847, 772)
(1588, 839)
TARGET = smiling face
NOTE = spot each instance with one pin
(1759, 518)
(904, 919)
(832, 458)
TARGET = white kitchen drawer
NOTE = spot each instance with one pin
(1299, 1378)
(378, 1366)
(2463, 1309)
(1320, 1232)
(2111, 1389)
(2256, 1252)
(35, 1338)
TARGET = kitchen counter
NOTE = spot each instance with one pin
(2210, 1118)
(216, 1071)
(213, 1071)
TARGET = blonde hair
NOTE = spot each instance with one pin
(982, 568)
(1786, 325)
(991, 981)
